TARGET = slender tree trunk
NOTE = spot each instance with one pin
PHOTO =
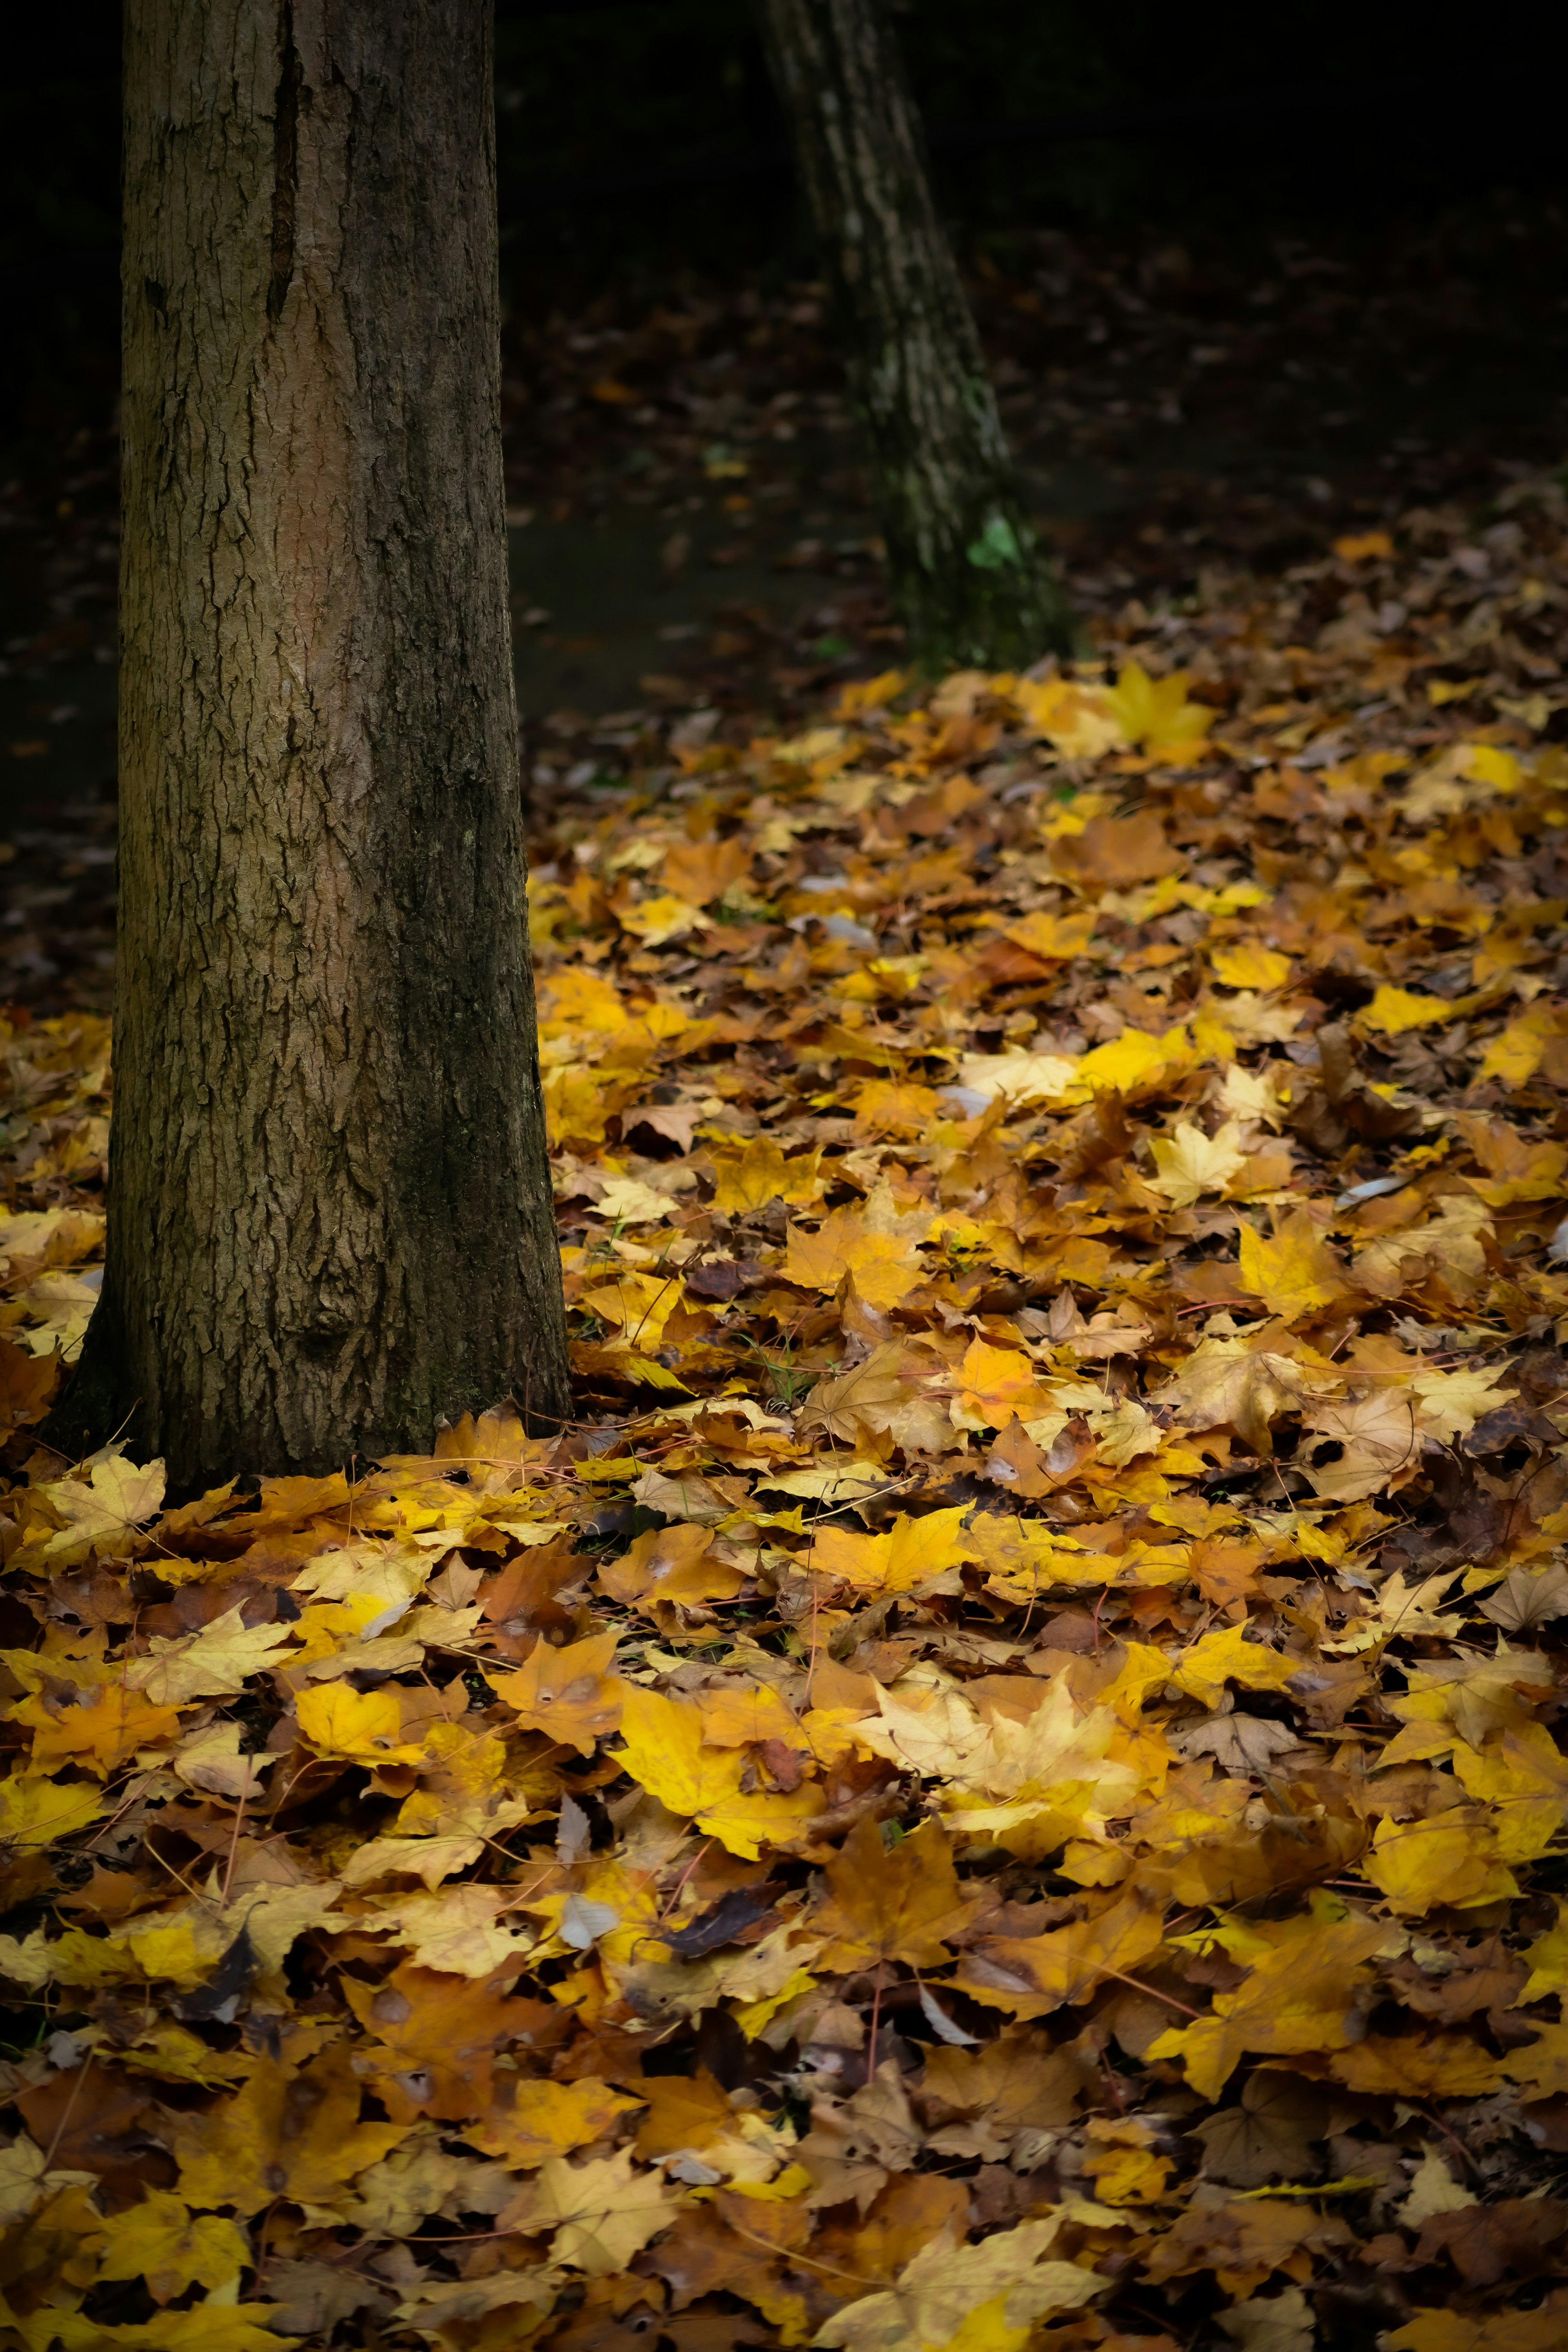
(967, 579)
(330, 1212)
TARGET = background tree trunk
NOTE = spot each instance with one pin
(330, 1212)
(967, 580)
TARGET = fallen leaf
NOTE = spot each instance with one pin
(162, 2243)
(942, 2290)
(1192, 1163)
(568, 1693)
(281, 2135)
(664, 1750)
(1297, 1996)
(1294, 1274)
(883, 1269)
(899, 1902)
(601, 2213)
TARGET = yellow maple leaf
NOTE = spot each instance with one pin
(603, 2212)
(996, 1385)
(893, 1903)
(1247, 964)
(1022, 1078)
(615, 1909)
(1452, 1403)
(211, 1760)
(576, 1105)
(436, 2038)
(578, 999)
(1418, 2066)
(895, 1107)
(1547, 1960)
(1395, 1010)
(99, 1732)
(744, 1715)
(1058, 1775)
(364, 1726)
(173, 2054)
(282, 2135)
(1447, 1858)
(1156, 713)
(103, 1514)
(658, 919)
(664, 1749)
(433, 1855)
(1192, 1163)
(1400, 1608)
(1030, 1975)
(1055, 939)
(1516, 1052)
(162, 2242)
(1488, 763)
(166, 1948)
(1025, 1556)
(638, 1305)
(909, 1552)
(1521, 1775)
(1078, 720)
(885, 1269)
(1501, 2331)
(758, 1173)
(1375, 1440)
(1131, 1060)
(465, 1931)
(1466, 1699)
(700, 871)
(1540, 2068)
(864, 694)
(674, 1563)
(1295, 1272)
(548, 2119)
(1298, 1995)
(1128, 2176)
(629, 1202)
(27, 2179)
(1227, 1383)
(568, 1693)
(1002, 2282)
(214, 1663)
(1534, 1171)
(682, 2113)
(1226, 1655)
(209, 2325)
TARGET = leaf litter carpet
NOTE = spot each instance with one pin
(1000, 1786)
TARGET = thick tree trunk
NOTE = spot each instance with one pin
(967, 579)
(330, 1212)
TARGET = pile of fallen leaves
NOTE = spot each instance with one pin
(999, 1787)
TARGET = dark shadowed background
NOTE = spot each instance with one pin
(640, 139)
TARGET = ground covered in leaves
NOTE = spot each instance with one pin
(1000, 1787)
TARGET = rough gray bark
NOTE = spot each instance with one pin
(330, 1212)
(968, 581)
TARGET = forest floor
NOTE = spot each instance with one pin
(1000, 1785)
(690, 514)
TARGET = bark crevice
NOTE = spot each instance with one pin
(285, 162)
